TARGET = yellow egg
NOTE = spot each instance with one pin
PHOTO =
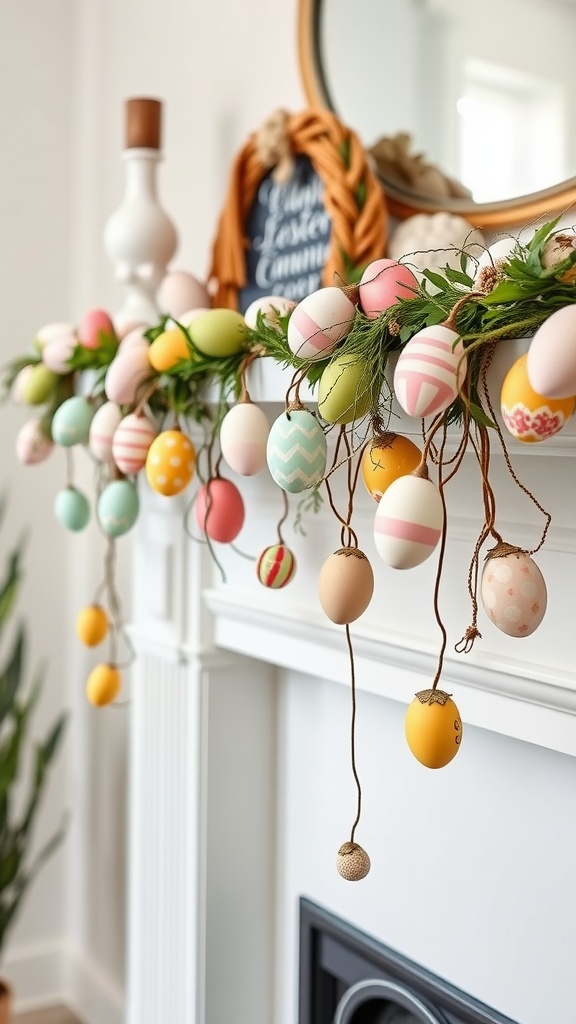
(103, 685)
(170, 462)
(219, 332)
(433, 728)
(167, 349)
(345, 390)
(529, 416)
(92, 625)
(386, 459)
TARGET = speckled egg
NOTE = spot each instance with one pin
(170, 462)
(345, 585)
(102, 428)
(296, 451)
(319, 322)
(32, 444)
(383, 284)
(131, 442)
(408, 522)
(270, 306)
(243, 437)
(167, 349)
(220, 510)
(552, 355)
(219, 333)
(71, 422)
(72, 509)
(95, 327)
(513, 593)
(127, 375)
(385, 459)
(118, 507)
(529, 416)
(276, 566)
(430, 371)
(345, 390)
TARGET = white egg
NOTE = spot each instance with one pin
(502, 249)
(54, 330)
(134, 339)
(551, 362)
(57, 352)
(319, 322)
(267, 304)
(408, 522)
(127, 374)
(102, 429)
(243, 438)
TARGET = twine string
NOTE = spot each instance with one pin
(440, 563)
(283, 518)
(353, 735)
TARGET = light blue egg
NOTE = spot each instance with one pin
(296, 451)
(72, 509)
(71, 421)
(118, 507)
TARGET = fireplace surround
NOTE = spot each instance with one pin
(348, 977)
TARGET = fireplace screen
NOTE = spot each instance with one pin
(347, 977)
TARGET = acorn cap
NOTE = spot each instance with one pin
(143, 123)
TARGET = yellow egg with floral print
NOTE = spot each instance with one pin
(531, 417)
(170, 462)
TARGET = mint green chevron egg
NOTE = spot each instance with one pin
(296, 451)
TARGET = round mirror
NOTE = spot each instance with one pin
(464, 107)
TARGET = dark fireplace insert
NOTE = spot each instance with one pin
(347, 977)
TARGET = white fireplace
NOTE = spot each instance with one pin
(241, 787)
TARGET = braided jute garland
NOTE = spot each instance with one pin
(359, 225)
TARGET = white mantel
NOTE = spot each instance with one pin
(241, 787)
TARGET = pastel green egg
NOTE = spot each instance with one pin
(218, 332)
(71, 422)
(72, 509)
(296, 451)
(345, 390)
(38, 385)
(118, 508)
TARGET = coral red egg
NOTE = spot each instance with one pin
(383, 284)
(220, 510)
(95, 327)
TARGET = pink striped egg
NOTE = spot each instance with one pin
(276, 566)
(408, 522)
(430, 371)
(319, 322)
(102, 429)
(383, 284)
(132, 439)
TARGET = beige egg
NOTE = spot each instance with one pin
(345, 585)
(513, 593)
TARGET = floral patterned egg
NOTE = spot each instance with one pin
(430, 371)
(296, 451)
(529, 416)
(131, 442)
(170, 462)
(513, 593)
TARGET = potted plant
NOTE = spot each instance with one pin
(18, 864)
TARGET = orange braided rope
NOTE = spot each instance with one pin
(353, 199)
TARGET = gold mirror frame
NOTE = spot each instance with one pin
(400, 202)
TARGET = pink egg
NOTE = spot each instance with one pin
(134, 339)
(102, 428)
(430, 371)
(131, 325)
(319, 322)
(94, 325)
(181, 291)
(54, 330)
(243, 438)
(57, 352)
(32, 445)
(551, 362)
(126, 375)
(267, 304)
(132, 439)
(513, 593)
(220, 510)
(383, 284)
(408, 522)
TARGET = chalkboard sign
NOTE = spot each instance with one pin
(289, 237)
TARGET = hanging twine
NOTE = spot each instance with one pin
(283, 518)
(353, 736)
(353, 197)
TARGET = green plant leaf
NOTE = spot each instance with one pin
(11, 676)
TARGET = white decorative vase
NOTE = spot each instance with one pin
(139, 237)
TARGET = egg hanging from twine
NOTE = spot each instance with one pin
(433, 728)
(513, 590)
(345, 585)
(352, 862)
